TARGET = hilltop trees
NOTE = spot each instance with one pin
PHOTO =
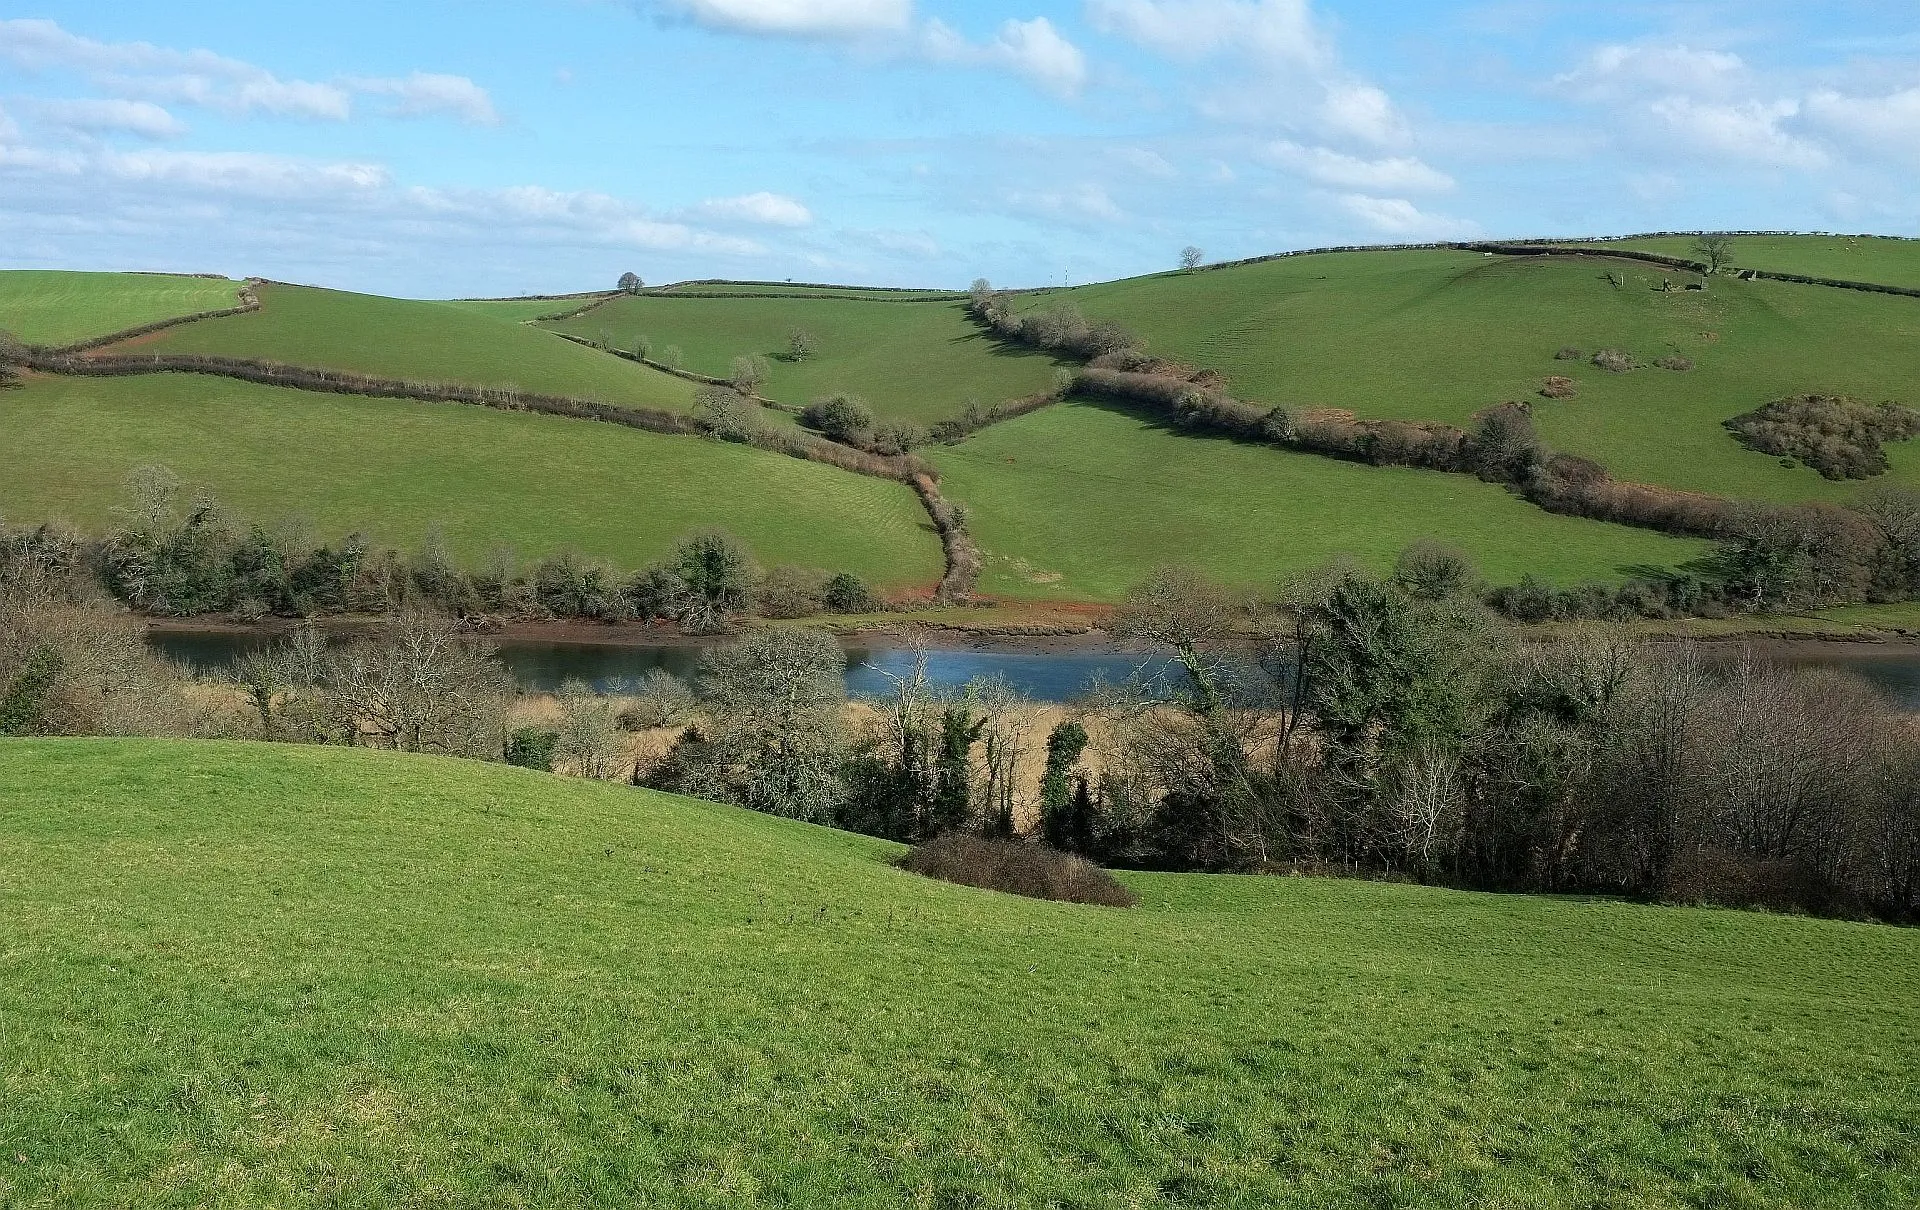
(630, 283)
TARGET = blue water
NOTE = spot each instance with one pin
(1047, 676)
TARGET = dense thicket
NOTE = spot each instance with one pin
(1837, 436)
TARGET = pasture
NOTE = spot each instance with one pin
(395, 468)
(47, 307)
(1880, 260)
(1439, 335)
(245, 974)
(915, 361)
(1081, 501)
(420, 341)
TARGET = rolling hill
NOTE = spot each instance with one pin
(58, 308)
(1879, 260)
(244, 974)
(919, 361)
(488, 478)
(418, 341)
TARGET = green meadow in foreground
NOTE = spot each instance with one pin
(1880, 260)
(1439, 335)
(46, 307)
(1081, 501)
(237, 975)
(421, 341)
(919, 361)
(489, 478)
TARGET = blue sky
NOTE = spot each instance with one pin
(441, 147)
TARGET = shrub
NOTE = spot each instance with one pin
(661, 700)
(1680, 363)
(801, 345)
(791, 592)
(1016, 868)
(848, 593)
(1835, 435)
(748, 374)
(1614, 361)
(1566, 353)
(672, 357)
(1558, 387)
(722, 413)
(844, 418)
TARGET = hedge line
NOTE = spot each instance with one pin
(962, 556)
(249, 302)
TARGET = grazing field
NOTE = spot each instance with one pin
(917, 361)
(395, 468)
(1439, 335)
(517, 310)
(421, 341)
(45, 307)
(1081, 501)
(242, 974)
(1881, 260)
(800, 290)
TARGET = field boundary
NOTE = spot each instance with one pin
(1562, 248)
(958, 554)
(677, 372)
(249, 303)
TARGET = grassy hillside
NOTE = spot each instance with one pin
(1081, 501)
(428, 341)
(918, 361)
(536, 483)
(1439, 335)
(54, 308)
(750, 288)
(1878, 259)
(517, 310)
(238, 974)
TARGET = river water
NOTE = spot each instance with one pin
(1047, 676)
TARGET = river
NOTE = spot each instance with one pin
(1048, 674)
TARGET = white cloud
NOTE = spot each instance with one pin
(427, 94)
(1276, 31)
(1081, 203)
(1616, 72)
(1033, 50)
(797, 18)
(1745, 131)
(1362, 112)
(1322, 166)
(1398, 217)
(1146, 163)
(142, 71)
(142, 118)
(1877, 125)
(762, 209)
(245, 173)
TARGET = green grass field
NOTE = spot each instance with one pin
(1880, 260)
(44, 307)
(424, 341)
(1439, 335)
(918, 361)
(247, 975)
(750, 288)
(1081, 501)
(489, 478)
(516, 310)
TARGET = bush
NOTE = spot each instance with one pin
(1558, 387)
(661, 700)
(801, 345)
(748, 374)
(1566, 353)
(1614, 361)
(848, 593)
(1016, 868)
(1835, 435)
(1679, 363)
(791, 592)
(845, 418)
(722, 413)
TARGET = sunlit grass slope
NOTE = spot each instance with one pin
(518, 310)
(46, 307)
(426, 341)
(249, 975)
(919, 361)
(1082, 502)
(489, 478)
(1439, 335)
(1879, 260)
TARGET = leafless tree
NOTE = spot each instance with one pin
(1716, 250)
(419, 685)
(1191, 258)
(591, 742)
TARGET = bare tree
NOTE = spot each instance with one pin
(1716, 250)
(591, 742)
(801, 345)
(630, 283)
(749, 374)
(1191, 258)
(419, 685)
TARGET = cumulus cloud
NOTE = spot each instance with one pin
(761, 209)
(1033, 50)
(142, 118)
(1618, 72)
(1751, 131)
(796, 18)
(143, 71)
(1323, 166)
(1401, 219)
(1082, 203)
(1888, 124)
